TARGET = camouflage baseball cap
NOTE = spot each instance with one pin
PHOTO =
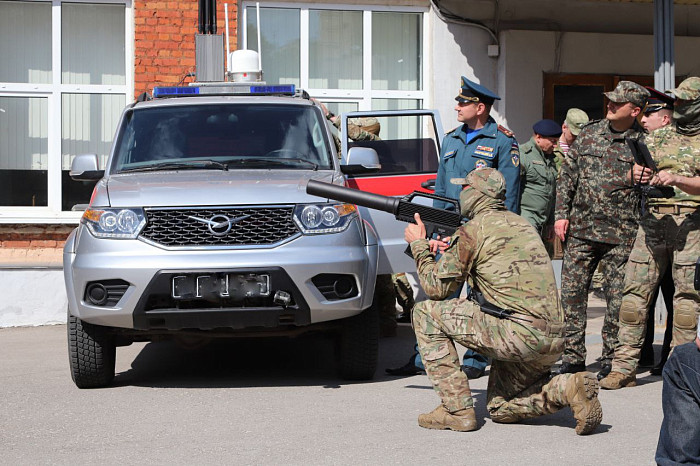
(575, 120)
(689, 89)
(627, 91)
(488, 181)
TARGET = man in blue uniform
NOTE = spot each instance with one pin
(479, 142)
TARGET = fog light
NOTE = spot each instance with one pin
(97, 294)
(343, 287)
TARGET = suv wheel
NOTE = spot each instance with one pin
(91, 350)
(359, 345)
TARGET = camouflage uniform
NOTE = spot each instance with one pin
(668, 236)
(498, 253)
(602, 224)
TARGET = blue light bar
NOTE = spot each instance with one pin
(283, 89)
(174, 91)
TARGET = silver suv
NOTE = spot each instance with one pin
(200, 227)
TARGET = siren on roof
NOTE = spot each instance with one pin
(244, 66)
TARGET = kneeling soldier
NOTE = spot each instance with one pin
(512, 316)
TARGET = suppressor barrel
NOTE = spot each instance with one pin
(353, 196)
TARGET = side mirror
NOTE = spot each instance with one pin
(85, 167)
(361, 160)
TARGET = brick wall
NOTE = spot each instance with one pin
(164, 40)
(30, 245)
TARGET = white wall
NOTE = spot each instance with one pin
(516, 75)
(32, 297)
(526, 55)
(457, 50)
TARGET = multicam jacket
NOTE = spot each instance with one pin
(589, 190)
(680, 155)
(501, 254)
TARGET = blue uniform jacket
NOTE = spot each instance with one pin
(491, 147)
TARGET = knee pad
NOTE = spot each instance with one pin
(629, 313)
(684, 317)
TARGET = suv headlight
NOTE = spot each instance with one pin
(314, 219)
(114, 223)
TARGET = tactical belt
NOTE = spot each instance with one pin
(672, 209)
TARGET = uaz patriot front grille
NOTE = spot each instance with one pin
(223, 226)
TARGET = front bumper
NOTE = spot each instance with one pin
(293, 267)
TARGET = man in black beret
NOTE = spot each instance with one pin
(538, 177)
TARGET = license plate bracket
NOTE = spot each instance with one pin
(220, 285)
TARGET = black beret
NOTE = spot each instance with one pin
(547, 128)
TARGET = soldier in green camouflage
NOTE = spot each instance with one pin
(597, 220)
(668, 236)
(501, 256)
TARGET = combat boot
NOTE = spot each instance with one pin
(582, 395)
(616, 380)
(463, 420)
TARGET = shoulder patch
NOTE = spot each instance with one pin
(506, 131)
(515, 159)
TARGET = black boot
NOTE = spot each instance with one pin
(407, 369)
(569, 368)
(605, 369)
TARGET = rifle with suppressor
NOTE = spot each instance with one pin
(436, 221)
(642, 157)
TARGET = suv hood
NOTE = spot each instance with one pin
(210, 187)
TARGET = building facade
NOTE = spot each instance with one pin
(70, 67)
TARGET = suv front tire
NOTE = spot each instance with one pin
(92, 352)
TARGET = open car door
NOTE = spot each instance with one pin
(409, 152)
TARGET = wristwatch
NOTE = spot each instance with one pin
(329, 115)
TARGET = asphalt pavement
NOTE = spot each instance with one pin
(280, 402)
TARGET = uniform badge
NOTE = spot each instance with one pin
(450, 153)
(516, 159)
(479, 164)
(484, 151)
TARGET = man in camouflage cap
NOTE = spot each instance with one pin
(575, 120)
(668, 236)
(504, 261)
(597, 220)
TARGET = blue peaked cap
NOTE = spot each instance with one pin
(473, 92)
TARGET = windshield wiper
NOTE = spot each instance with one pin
(189, 165)
(269, 161)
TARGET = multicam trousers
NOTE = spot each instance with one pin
(663, 241)
(581, 257)
(519, 385)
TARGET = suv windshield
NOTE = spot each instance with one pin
(222, 136)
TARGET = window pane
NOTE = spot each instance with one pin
(88, 125)
(335, 49)
(397, 128)
(28, 24)
(408, 145)
(93, 44)
(396, 51)
(280, 43)
(23, 151)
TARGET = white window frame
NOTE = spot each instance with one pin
(53, 91)
(363, 97)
